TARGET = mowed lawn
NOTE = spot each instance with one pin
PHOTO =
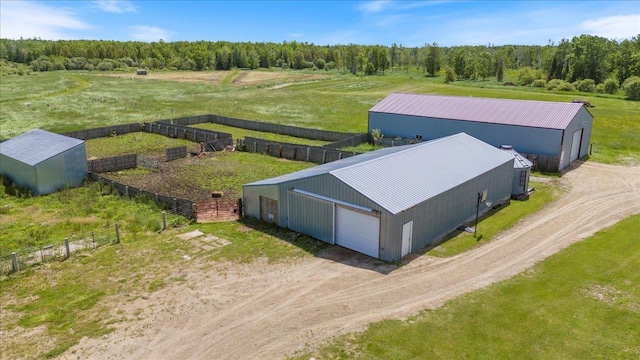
(582, 303)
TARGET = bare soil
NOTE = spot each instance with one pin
(269, 311)
(243, 78)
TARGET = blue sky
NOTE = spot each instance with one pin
(410, 23)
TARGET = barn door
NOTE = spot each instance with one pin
(269, 210)
(575, 145)
(407, 238)
(357, 230)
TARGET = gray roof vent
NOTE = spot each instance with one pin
(520, 162)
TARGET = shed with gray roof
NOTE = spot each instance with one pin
(552, 134)
(389, 202)
(43, 162)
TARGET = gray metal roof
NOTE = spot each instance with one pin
(37, 145)
(540, 114)
(401, 177)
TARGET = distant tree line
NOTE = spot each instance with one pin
(585, 63)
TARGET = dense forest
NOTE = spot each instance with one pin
(584, 63)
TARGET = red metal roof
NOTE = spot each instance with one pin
(540, 114)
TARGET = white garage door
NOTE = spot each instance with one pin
(575, 145)
(357, 231)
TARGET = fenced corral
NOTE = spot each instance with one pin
(176, 153)
(188, 133)
(106, 131)
(114, 163)
(58, 250)
(314, 154)
(176, 205)
(295, 131)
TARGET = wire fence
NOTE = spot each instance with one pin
(58, 249)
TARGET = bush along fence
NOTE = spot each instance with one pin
(314, 154)
(176, 205)
(57, 251)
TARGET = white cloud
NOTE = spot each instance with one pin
(374, 6)
(29, 19)
(115, 6)
(614, 27)
(149, 33)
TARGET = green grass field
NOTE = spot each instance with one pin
(70, 294)
(582, 303)
(64, 101)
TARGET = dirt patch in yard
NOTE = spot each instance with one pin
(262, 310)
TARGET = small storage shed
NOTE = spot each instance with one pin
(521, 171)
(389, 202)
(43, 161)
(552, 134)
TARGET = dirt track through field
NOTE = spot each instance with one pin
(270, 311)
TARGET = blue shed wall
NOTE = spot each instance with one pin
(529, 140)
(67, 169)
(18, 172)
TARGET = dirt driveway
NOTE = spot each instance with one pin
(270, 311)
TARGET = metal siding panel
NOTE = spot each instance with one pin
(19, 172)
(50, 175)
(251, 199)
(76, 165)
(523, 139)
(311, 216)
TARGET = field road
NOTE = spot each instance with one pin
(266, 311)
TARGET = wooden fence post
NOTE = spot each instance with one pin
(66, 247)
(14, 262)
(164, 220)
(117, 234)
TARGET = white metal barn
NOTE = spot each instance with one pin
(390, 202)
(43, 161)
(552, 134)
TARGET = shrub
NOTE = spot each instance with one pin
(628, 81)
(320, 63)
(566, 86)
(632, 89)
(449, 75)
(553, 84)
(526, 76)
(539, 83)
(586, 85)
(610, 86)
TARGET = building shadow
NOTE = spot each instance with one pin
(323, 250)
